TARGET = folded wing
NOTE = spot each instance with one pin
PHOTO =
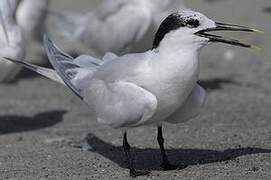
(120, 104)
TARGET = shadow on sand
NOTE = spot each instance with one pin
(149, 159)
(216, 83)
(14, 123)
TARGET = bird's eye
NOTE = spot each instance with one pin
(192, 23)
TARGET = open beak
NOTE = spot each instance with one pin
(228, 27)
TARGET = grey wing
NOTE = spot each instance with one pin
(86, 61)
(191, 108)
(61, 62)
(71, 70)
(121, 104)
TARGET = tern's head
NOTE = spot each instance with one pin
(192, 28)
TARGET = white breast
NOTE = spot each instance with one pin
(173, 83)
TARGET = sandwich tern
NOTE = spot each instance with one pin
(155, 87)
(118, 26)
(11, 42)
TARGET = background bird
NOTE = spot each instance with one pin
(31, 17)
(155, 87)
(12, 42)
(119, 26)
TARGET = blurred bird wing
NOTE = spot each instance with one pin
(108, 7)
(6, 8)
(170, 7)
(4, 14)
(137, 22)
(116, 32)
(120, 104)
(113, 34)
(31, 16)
(14, 5)
(191, 108)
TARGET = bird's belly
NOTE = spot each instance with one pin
(171, 99)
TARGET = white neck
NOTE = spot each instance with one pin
(178, 49)
(177, 59)
(177, 41)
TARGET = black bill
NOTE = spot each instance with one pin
(227, 27)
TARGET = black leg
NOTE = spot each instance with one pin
(165, 162)
(126, 147)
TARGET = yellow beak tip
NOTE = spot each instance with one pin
(257, 48)
(258, 31)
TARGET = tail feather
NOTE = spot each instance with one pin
(46, 72)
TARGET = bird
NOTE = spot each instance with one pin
(11, 42)
(118, 26)
(31, 16)
(150, 88)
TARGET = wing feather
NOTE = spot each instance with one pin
(59, 61)
(74, 72)
(121, 104)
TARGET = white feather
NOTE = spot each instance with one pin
(31, 17)
(118, 26)
(11, 42)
